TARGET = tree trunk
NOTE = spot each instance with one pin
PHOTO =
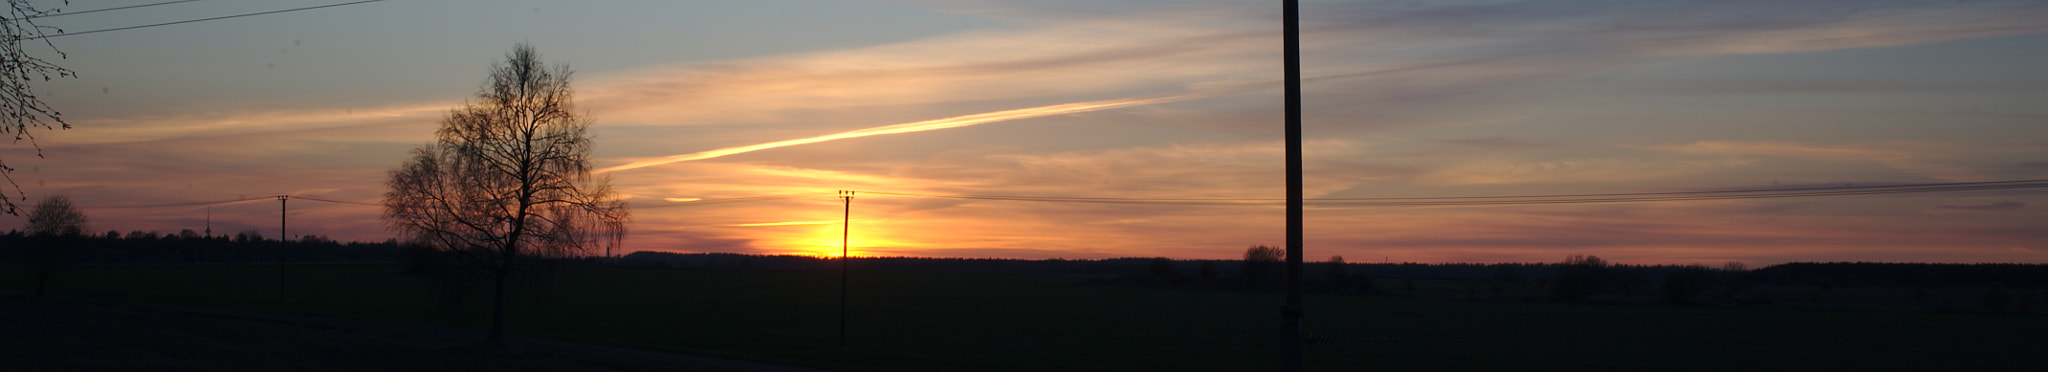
(498, 305)
(42, 280)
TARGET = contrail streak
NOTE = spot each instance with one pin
(935, 124)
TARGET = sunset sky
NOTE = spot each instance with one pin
(700, 101)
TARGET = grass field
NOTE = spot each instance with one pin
(990, 321)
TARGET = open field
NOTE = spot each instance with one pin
(904, 320)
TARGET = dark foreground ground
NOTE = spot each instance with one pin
(60, 335)
(372, 317)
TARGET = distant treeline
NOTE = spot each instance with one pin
(140, 247)
(1875, 274)
(1851, 274)
(1113, 266)
(250, 247)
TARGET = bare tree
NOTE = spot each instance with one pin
(508, 181)
(20, 109)
(58, 224)
(1261, 265)
(1579, 276)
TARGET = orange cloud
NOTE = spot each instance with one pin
(920, 126)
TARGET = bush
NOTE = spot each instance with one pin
(1579, 276)
(1684, 285)
(1261, 265)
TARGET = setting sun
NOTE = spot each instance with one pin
(822, 238)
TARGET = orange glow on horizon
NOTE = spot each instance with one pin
(822, 238)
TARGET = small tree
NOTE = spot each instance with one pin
(507, 182)
(1261, 265)
(1685, 284)
(1578, 276)
(1336, 268)
(58, 225)
(1162, 267)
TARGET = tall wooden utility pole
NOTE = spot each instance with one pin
(846, 227)
(1290, 315)
(281, 240)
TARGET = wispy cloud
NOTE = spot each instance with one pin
(1988, 207)
(920, 126)
(1929, 159)
(788, 223)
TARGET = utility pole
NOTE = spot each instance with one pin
(846, 228)
(1290, 315)
(281, 240)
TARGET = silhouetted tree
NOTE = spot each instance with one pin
(507, 180)
(1207, 270)
(1162, 267)
(20, 109)
(1683, 285)
(1732, 281)
(1336, 268)
(1578, 276)
(58, 225)
(1502, 275)
(1261, 265)
(247, 236)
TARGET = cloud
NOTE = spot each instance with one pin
(1927, 159)
(1131, 73)
(1051, 59)
(1990, 207)
(1576, 170)
(786, 223)
(1706, 27)
(920, 126)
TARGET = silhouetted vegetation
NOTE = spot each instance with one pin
(2017, 288)
(1684, 285)
(1261, 266)
(1579, 276)
(21, 109)
(926, 319)
(1876, 286)
(57, 226)
(145, 247)
(506, 187)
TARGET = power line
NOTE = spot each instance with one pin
(106, 9)
(1594, 198)
(197, 20)
(336, 201)
(1845, 191)
(1709, 192)
(1529, 199)
(185, 204)
(720, 201)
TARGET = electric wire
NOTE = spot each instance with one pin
(184, 204)
(106, 9)
(1494, 200)
(337, 201)
(197, 20)
(732, 200)
(1528, 199)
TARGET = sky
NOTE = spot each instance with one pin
(728, 126)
